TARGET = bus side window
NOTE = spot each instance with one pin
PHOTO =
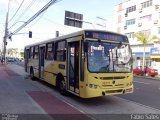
(36, 52)
(49, 51)
(31, 52)
(60, 51)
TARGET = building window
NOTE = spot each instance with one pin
(49, 51)
(146, 18)
(146, 4)
(60, 52)
(130, 35)
(130, 22)
(131, 9)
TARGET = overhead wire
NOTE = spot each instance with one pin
(42, 17)
(16, 10)
(34, 16)
(23, 13)
(26, 9)
(42, 14)
(36, 21)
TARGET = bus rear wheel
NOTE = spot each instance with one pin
(62, 87)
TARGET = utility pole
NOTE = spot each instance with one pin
(5, 38)
(5, 35)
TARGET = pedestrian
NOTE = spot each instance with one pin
(2, 60)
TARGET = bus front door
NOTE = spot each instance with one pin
(73, 67)
(41, 62)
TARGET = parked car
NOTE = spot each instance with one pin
(148, 71)
(138, 71)
(10, 59)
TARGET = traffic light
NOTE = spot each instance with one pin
(30, 34)
(57, 33)
(10, 37)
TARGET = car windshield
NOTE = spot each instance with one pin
(109, 57)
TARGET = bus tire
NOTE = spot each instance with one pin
(61, 85)
(32, 73)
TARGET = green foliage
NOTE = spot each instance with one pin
(12, 51)
(144, 38)
(22, 54)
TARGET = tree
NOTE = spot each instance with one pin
(144, 39)
(12, 51)
(22, 54)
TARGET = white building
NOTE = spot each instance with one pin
(140, 16)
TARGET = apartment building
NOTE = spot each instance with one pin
(140, 16)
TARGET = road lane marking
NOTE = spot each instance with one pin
(142, 82)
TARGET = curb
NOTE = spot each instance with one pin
(153, 78)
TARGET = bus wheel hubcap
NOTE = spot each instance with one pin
(62, 85)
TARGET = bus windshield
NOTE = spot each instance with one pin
(109, 57)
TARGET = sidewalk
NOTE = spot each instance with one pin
(27, 100)
(17, 69)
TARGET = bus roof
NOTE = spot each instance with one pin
(78, 33)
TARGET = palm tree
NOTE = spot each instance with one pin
(144, 39)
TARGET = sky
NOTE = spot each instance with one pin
(44, 26)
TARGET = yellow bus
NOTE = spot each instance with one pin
(87, 63)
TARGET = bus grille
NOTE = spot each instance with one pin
(114, 91)
(116, 85)
(112, 78)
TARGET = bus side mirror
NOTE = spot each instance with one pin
(120, 45)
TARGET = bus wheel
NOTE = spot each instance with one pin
(32, 73)
(62, 87)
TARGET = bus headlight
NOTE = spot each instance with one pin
(95, 86)
(92, 86)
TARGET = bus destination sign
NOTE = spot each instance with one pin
(105, 36)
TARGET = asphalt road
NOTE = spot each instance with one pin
(21, 95)
(147, 92)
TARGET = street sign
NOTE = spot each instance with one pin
(73, 19)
